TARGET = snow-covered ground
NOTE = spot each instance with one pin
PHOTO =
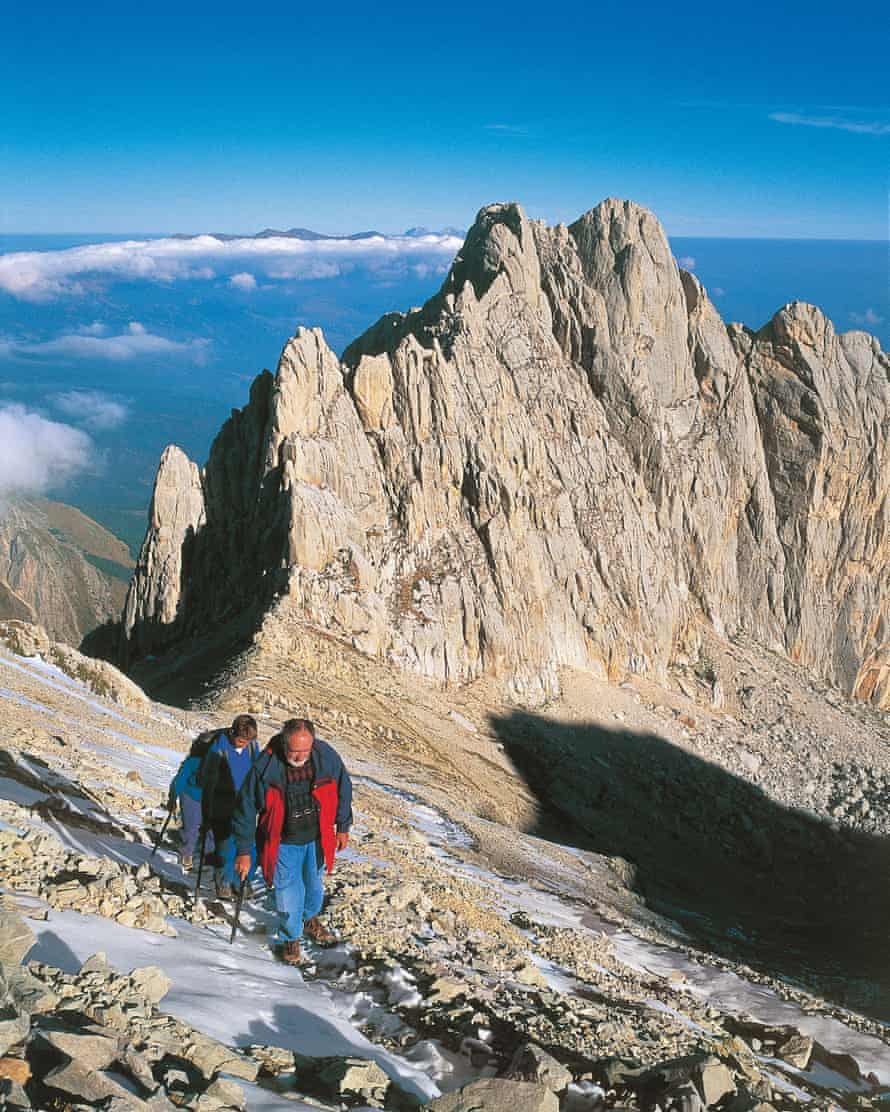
(236, 993)
(240, 995)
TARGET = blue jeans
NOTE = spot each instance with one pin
(191, 824)
(225, 870)
(299, 889)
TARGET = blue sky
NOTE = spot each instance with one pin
(760, 120)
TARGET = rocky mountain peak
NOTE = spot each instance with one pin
(563, 459)
(499, 244)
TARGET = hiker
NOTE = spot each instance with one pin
(223, 771)
(185, 789)
(295, 812)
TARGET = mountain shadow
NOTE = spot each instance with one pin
(749, 879)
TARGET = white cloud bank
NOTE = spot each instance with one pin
(91, 408)
(36, 454)
(869, 317)
(91, 342)
(38, 275)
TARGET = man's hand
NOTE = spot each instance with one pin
(342, 841)
(242, 865)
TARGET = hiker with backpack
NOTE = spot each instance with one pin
(185, 789)
(224, 768)
(294, 813)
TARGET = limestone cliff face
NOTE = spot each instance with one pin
(49, 554)
(563, 459)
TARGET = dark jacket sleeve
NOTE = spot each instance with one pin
(344, 799)
(248, 806)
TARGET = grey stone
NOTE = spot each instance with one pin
(152, 982)
(93, 1051)
(496, 1094)
(222, 1094)
(531, 1063)
(16, 937)
(13, 1029)
(78, 1080)
(797, 1051)
(714, 1081)
(28, 993)
(357, 1076)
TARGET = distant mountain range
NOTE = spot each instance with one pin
(309, 235)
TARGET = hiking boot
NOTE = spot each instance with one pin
(225, 891)
(290, 953)
(315, 929)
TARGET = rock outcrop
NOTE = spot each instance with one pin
(564, 459)
(54, 568)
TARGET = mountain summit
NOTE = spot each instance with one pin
(564, 459)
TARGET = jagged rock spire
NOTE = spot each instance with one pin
(563, 459)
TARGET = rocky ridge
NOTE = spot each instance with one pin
(565, 459)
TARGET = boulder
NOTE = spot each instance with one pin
(352, 1077)
(28, 993)
(13, 1028)
(16, 937)
(75, 1079)
(90, 1049)
(531, 1063)
(497, 1094)
(152, 982)
(796, 1051)
(221, 1094)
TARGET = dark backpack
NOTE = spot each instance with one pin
(202, 743)
(199, 748)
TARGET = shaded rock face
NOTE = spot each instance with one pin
(564, 458)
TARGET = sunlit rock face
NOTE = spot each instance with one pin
(564, 458)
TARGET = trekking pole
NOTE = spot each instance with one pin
(238, 904)
(160, 836)
(201, 861)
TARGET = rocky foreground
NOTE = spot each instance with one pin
(480, 966)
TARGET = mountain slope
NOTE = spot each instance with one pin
(59, 568)
(463, 939)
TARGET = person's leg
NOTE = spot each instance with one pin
(290, 892)
(191, 824)
(225, 855)
(313, 882)
(313, 927)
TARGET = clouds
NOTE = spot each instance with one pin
(42, 275)
(869, 318)
(838, 123)
(687, 262)
(37, 453)
(243, 281)
(93, 342)
(91, 408)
